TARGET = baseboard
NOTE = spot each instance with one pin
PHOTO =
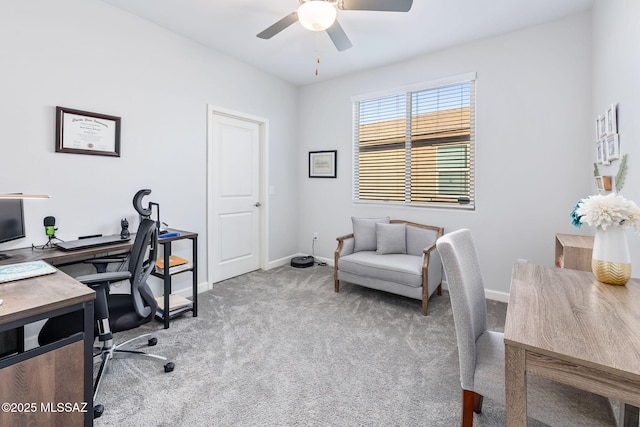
(328, 261)
(496, 296)
(186, 292)
(489, 294)
(280, 262)
(287, 261)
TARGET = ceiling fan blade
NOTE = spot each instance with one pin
(279, 26)
(378, 5)
(339, 37)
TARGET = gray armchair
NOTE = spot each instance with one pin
(395, 256)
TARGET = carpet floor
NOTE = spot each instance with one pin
(281, 348)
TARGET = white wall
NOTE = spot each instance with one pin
(533, 128)
(616, 74)
(87, 55)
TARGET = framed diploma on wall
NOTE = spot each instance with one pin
(82, 132)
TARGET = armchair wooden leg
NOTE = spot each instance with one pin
(425, 302)
(471, 402)
(336, 285)
(439, 289)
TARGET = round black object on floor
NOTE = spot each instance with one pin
(302, 261)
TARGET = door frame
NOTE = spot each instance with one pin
(263, 143)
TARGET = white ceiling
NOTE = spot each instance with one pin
(378, 38)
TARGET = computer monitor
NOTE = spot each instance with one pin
(11, 221)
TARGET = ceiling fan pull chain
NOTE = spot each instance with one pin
(316, 43)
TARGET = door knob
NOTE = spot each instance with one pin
(257, 205)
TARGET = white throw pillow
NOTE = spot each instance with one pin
(392, 238)
(364, 233)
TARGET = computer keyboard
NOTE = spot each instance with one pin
(24, 270)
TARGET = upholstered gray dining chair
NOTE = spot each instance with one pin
(481, 352)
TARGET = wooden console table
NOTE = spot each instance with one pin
(35, 382)
(564, 325)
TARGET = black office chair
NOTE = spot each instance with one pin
(117, 312)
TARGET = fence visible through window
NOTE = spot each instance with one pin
(416, 147)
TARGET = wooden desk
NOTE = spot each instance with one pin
(26, 301)
(59, 257)
(566, 326)
(36, 381)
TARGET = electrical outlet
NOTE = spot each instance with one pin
(315, 235)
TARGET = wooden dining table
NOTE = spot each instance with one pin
(566, 326)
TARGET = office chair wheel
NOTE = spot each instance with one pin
(169, 367)
(97, 411)
(153, 341)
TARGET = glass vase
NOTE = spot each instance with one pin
(610, 261)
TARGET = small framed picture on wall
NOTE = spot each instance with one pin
(599, 152)
(601, 127)
(611, 120)
(322, 164)
(603, 183)
(613, 147)
(604, 148)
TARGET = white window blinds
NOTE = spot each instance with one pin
(416, 147)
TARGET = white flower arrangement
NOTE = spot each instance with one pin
(606, 211)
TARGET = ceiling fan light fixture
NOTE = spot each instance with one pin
(317, 15)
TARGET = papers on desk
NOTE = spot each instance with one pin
(24, 270)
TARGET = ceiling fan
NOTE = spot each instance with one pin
(320, 15)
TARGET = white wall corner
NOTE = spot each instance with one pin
(187, 293)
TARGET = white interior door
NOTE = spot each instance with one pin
(234, 196)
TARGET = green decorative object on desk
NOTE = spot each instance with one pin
(611, 215)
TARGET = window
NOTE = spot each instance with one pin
(417, 147)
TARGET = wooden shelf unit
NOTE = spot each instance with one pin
(574, 250)
(167, 274)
